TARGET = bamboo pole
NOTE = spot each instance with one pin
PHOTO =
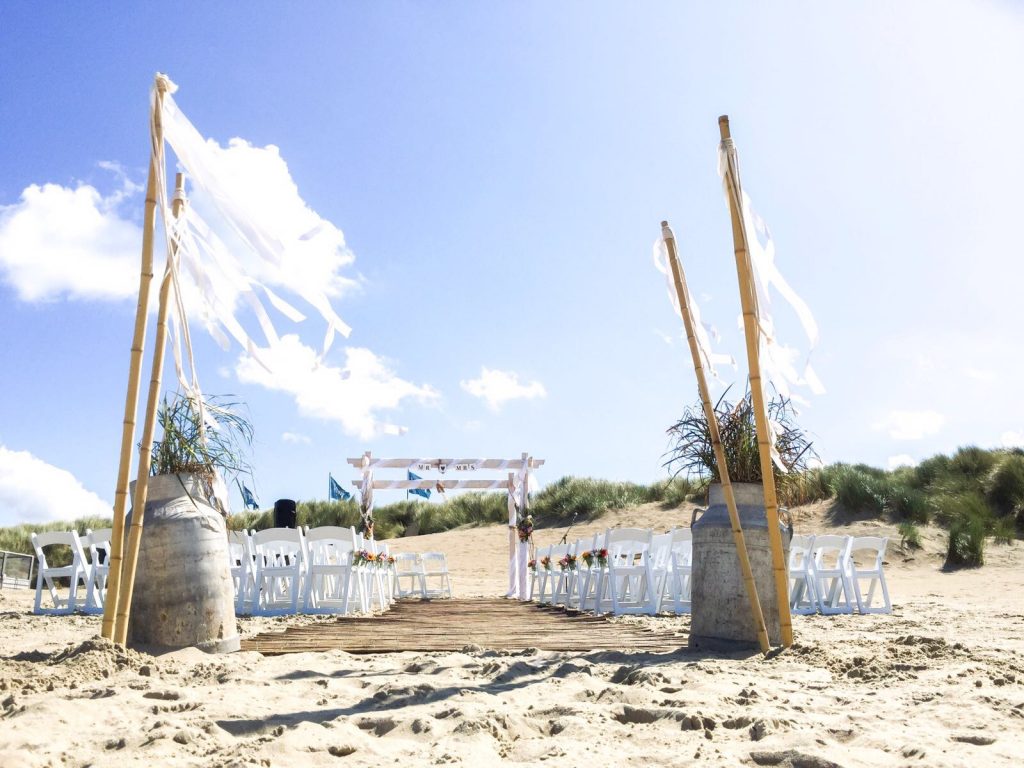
(679, 278)
(752, 331)
(131, 402)
(124, 598)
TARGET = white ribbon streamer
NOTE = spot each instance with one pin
(701, 330)
(778, 361)
(215, 268)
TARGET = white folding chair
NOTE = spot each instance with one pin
(627, 584)
(549, 573)
(539, 575)
(583, 581)
(376, 577)
(243, 570)
(77, 572)
(97, 543)
(408, 566)
(280, 565)
(869, 551)
(674, 584)
(565, 578)
(435, 567)
(832, 587)
(803, 597)
(332, 583)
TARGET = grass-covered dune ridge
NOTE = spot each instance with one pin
(974, 493)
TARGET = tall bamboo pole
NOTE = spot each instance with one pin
(752, 332)
(131, 401)
(679, 278)
(124, 598)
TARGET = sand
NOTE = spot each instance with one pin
(940, 682)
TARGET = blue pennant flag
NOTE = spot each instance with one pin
(418, 491)
(334, 490)
(247, 498)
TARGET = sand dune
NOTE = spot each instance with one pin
(939, 682)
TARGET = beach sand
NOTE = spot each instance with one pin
(940, 682)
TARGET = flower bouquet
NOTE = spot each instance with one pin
(384, 562)
(365, 557)
(525, 528)
(602, 557)
(532, 565)
(568, 563)
(545, 563)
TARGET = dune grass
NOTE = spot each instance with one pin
(977, 494)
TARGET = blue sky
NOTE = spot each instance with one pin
(499, 172)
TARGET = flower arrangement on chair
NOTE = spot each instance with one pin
(568, 563)
(365, 557)
(532, 565)
(384, 562)
(545, 563)
(525, 528)
(597, 557)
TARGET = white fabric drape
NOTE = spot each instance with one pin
(780, 363)
(701, 330)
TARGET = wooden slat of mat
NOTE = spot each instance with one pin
(451, 625)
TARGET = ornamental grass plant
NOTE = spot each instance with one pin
(201, 441)
(692, 454)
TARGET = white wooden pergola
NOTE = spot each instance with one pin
(516, 483)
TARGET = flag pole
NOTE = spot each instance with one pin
(679, 279)
(752, 332)
(124, 598)
(131, 401)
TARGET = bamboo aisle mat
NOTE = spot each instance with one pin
(451, 625)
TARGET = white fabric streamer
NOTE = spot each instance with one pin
(220, 275)
(701, 330)
(778, 361)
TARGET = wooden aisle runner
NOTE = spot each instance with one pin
(451, 625)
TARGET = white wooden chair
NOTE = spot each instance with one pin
(546, 576)
(583, 581)
(78, 572)
(803, 597)
(564, 580)
(408, 567)
(97, 543)
(280, 567)
(378, 590)
(627, 584)
(243, 570)
(332, 583)
(435, 567)
(869, 551)
(539, 576)
(674, 589)
(830, 555)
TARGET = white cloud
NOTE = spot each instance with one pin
(32, 491)
(901, 460)
(351, 395)
(498, 387)
(911, 425)
(1012, 439)
(60, 241)
(295, 438)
